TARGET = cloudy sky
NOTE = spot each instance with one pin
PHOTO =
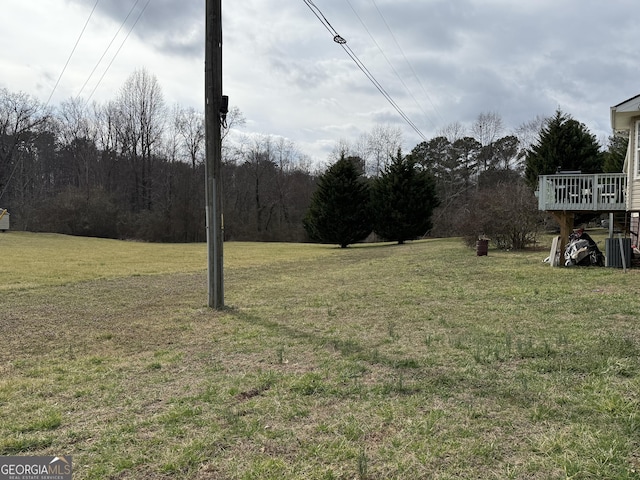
(441, 61)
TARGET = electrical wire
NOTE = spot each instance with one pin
(118, 51)
(103, 75)
(316, 11)
(54, 89)
(389, 62)
(435, 109)
(71, 54)
(343, 43)
(107, 49)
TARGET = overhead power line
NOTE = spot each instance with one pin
(387, 59)
(72, 52)
(119, 48)
(343, 43)
(107, 49)
(435, 109)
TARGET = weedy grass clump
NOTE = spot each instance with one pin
(377, 361)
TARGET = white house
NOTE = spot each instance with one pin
(566, 194)
(625, 117)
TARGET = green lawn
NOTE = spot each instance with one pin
(373, 362)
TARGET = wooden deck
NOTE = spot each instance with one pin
(601, 192)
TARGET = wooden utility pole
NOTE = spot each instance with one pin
(213, 124)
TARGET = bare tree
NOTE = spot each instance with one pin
(190, 128)
(233, 141)
(106, 118)
(528, 134)
(74, 121)
(506, 211)
(21, 116)
(77, 135)
(342, 148)
(267, 190)
(109, 143)
(452, 132)
(486, 130)
(254, 183)
(383, 142)
(358, 149)
(141, 124)
(172, 140)
(235, 119)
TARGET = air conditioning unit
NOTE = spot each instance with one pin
(613, 253)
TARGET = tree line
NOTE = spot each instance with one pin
(133, 168)
(484, 181)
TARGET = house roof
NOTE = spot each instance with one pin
(622, 113)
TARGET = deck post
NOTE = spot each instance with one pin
(565, 219)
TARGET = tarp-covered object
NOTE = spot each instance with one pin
(582, 250)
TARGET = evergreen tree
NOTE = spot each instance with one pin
(404, 198)
(616, 153)
(340, 209)
(563, 144)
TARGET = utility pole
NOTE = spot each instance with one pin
(215, 113)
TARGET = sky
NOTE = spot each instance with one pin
(440, 61)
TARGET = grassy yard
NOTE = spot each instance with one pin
(372, 362)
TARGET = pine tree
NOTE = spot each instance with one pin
(340, 209)
(564, 144)
(404, 198)
(616, 153)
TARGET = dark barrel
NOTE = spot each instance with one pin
(482, 247)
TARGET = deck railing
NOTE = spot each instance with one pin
(600, 192)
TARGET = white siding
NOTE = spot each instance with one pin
(633, 167)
